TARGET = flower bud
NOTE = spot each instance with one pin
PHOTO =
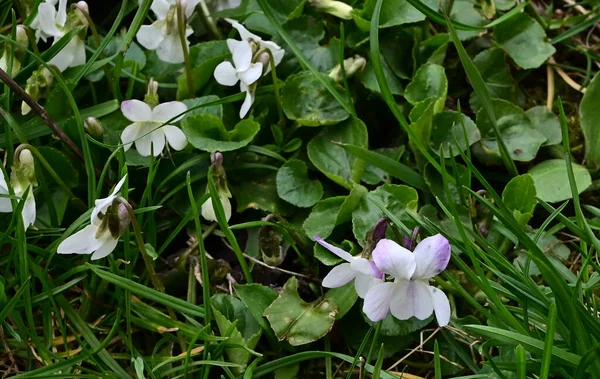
(151, 97)
(333, 7)
(117, 218)
(83, 7)
(21, 35)
(94, 128)
(37, 86)
(23, 173)
(220, 179)
(351, 66)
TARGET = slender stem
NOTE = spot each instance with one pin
(181, 26)
(208, 20)
(374, 343)
(275, 86)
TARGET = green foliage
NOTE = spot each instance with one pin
(519, 196)
(207, 132)
(552, 183)
(589, 113)
(294, 186)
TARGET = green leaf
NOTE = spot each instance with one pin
(589, 114)
(294, 186)
(297, 321)
(61, 165)
(215, 110)
(429, 81)
(307, 33)
(422, 124)
(552, 182)
(333, 160)
(465, 13)
(521, 138)
(396, 198)
(546, 123)
(306, 100)
(328, 258)
(256, 298)
(233, 309)
(392, 327)
(495, 72)
(207, 132)
(524, 40)
(260, 193)
(448, 129)
(369, 80)
(375, 175)
(398, 12)
(519, 196)
(344, 296)
(204, 57)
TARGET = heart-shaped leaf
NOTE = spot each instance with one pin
(294, 186)
(207, 132)
(306, 100)
(397, 12)
(465, 12)
(450, 130)
(552, 181)
(429, 81)
(519, 196)
(546, 123)
(307, 32)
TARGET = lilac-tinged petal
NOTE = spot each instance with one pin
(225, 74)
(367, 267)
(82, 242)
(411, 298)
(339, 276)
(166, 111)
(364, 283)
(335, 250)
(136, 111)
(377, 301)
(432, 256)
(441, 305)
(393, 259)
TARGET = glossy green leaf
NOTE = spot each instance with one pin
(524, 40)
(369, 80)
(204, 57)
(422, 124)
(308, 32)
(447, 131)
(256, 298)
(260, 193)
(297, 321)
(466, 13)
(375, 175)
(215, 110)
(306, 100)
(207, 132)
(552, 182)
(519, 196)
(294, 186)
(398, 13)
(589, 114)
(546, 123)
(429, 81)
(344, 296)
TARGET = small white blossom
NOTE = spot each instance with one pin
(410, 294)
(163, 34)
(364, 272)
(95, 238)
(146, 129)
(245, 35)
(20, 183)
(208, 212)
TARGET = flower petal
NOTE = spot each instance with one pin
(248, 101)
(150, 36)
(208, 212)
(107, 247)
(28, 212)
(45, 22)
(170, 50)
(117, 188)
(136, 111)
(441, 305)
(335, 250)
(82, 242)
(244, 33)
(339, 276)
(364, 283)
(176, 138)
(190, 6)
(64, 58)
(154, 142)
(367, 267)
(393, 259)
(225, 74)
(411, 298)
(78, 52)
(242, 56)
(129, 135)
(377, 301)
(226, 205)
(252, 74)
(5, 203)
(166, 111)
(61, 16)
(160, 8)
(432, 256)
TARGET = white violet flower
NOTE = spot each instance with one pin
(22, 177)
(163, 34)
(242, 70)
(245, 35)
(96, 238)
(364, 272)
(410, 294)
(146, 129)
(220, 179)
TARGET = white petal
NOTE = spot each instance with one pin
(335, 250)
(82, 242)
(393, 259)
(61, 16)
(339, 275)
(190, 6)
(364, 283)
(78, 52)
(45, 21)
(28, 212)
(252, 74)
(208, 212)
(160, 8)
(244, 33)
(5, 203)
(226, 206)
(411, 298)
(233, 43)
(441, 305)
(176, 138)
(432, 256)
(170, 50)
(100, 206)
(3, 184)
(166, 111)
(64, 58)
(276, 51)
(129, 135)
(242, 56)
(136, 111)
(225, 74)
(107, 247)
(150, 36)
(377, 301)
(156, 138)
(367, 267)
(117, 188)
(248, 101)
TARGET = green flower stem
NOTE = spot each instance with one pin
(275, 86)
(208, 20)
(181, 26)
(77, 201)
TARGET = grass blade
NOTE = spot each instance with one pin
(549, 341)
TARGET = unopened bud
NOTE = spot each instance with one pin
(351, 66)
(216, 159)
(117, 218)
(82, 6)
(94, 128)
(23, 174)
(380, 229)
(22, 35)
(25, 158)
(335, 8)
(37, 87)
(151, 97)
